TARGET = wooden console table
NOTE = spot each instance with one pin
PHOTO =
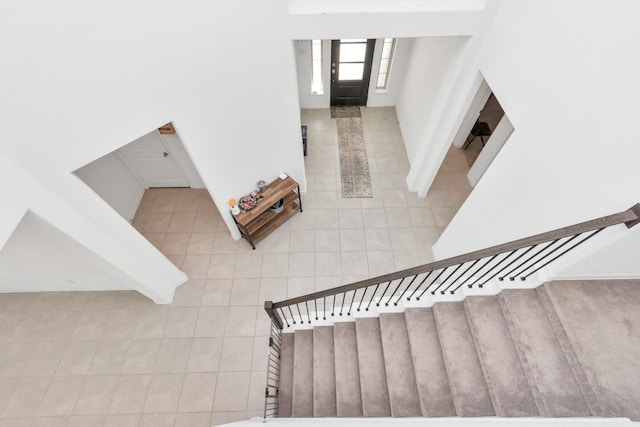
(256, 224)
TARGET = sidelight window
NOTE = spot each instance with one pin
(388, 49)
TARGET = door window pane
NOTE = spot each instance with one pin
(352, 52)
(351, 71)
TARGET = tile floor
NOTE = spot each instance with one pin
(116, 359)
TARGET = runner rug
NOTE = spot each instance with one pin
(354, 164)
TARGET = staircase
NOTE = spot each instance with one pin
(505, 355)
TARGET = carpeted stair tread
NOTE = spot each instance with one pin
(373, 379)
(559, 392)
(348, 394)
(324, 373)
(401, 378)
(602, 322)
(468, 385)
(285, 386)
(432, 381)
(505, 377)
(302, 399)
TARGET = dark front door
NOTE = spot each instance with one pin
(350, 71)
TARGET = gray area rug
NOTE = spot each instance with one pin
(354, 164)
(338, 112)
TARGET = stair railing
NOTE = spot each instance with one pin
(273, 372)
(516, 260)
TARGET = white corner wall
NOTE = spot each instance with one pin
(112, 180)
(38, 257)
(570, 88)
(431, 57)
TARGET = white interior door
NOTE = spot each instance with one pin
(150, 159)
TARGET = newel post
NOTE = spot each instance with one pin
(272, 313)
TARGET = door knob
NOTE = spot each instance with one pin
(165, 154)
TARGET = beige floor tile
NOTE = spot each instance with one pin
(398, 218)
(172, 356)
(164, 393)
(329, 263)
(181, 322)
(29, 326)
(95, 396)
(175, 243)
(77, 358)
(14, 357)
(189, 294)
(205, 222)
(217, 292)
(61, 396)
(275, 264)
(26, 398)
(377, 239)
(129, 394)
(302, 241)
(61, 325)
(157, 222)
(260, 352)
(402, 239)
(205, 355)
(141, 357)
(44, 359)
(196, 266)
(220, 418)
(245, 291)
(157, 420)
(326, 218)
(212, 322)
(123, 420)
(272, 289)
(276, 242)
(354, 263)
(109, 357)
(151, 322)
(196, 419)
(201, 243)
(188, 201)
(121, 323)
(256, 391)
(248, 265)
(91, 324)
(422, 217)
(236, 354)
(300, 286)
(224, 243)
(241, 321)
(232, 390)
(86, 421)
(352, 240)
(374, 218)
(350, 218)
(302, 264)
(182, 222)
(197, 393)
(59, 421)
(222, 266)
(380, 262)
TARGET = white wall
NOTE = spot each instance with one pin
(389, 97)
(39, 257)
(302, 50)
(570, 88)
(112, 180)
(430, 58)
(167, 61)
